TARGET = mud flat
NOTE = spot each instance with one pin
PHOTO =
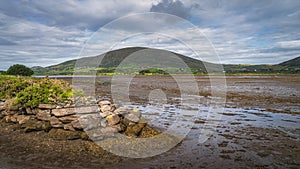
(258, 128)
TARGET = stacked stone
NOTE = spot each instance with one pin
(68, 122)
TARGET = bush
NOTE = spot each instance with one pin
(19, 70)
(48, 91)
(10, 86)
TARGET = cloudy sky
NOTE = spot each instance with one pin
(43, 33)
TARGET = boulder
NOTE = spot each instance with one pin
(113, 119)
(43, 115)
(63, 112)
(56, 123)
(47, 106)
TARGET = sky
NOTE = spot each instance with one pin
(43, 33)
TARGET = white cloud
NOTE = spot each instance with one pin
(45, 33)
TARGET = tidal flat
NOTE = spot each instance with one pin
(257, 126)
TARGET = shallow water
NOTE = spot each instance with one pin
(228, 144)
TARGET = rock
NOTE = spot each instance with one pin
(9, 105)
(121, 110)
(56, 123)
(132, 117)
(14, 118)
(43, 115)
(47, 106)
(22, 119)
(90, 122)
(61, 134)
(35, 125)
(10, 112)
(104, 102)
(103, 123)
(143, 120)
(134, 130)
(120, 127)
(13, 108)
(108, 130)
(63, 112)
(76, 124)
(29, 110)
(112, 119)
(105, 114)
(105, 108)
(87, 110)
(68, 119)
(69, 127)
(7, 119)
(2, 103)
(2, 108)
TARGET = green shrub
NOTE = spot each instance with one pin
(10, 86)
(47, 91)
(19, 70)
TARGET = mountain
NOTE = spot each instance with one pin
(291, 63)
(111, 60)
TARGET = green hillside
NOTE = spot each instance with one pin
(111, 60)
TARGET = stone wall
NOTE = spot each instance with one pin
(65, 121)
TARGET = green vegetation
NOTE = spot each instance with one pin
(19, 70)
(30, 92)
(48, 91)
(110, 66)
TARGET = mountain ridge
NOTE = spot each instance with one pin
(112, 59)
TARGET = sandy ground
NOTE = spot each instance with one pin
(259, 129)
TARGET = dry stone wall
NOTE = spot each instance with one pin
(67, 122)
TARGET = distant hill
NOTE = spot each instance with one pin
(112, 59)
(291, 63)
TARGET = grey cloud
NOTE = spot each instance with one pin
(172, 7)
(5, 42)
